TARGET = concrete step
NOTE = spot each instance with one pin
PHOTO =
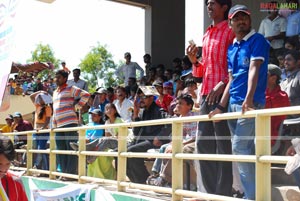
(285, 193)
(279, 177)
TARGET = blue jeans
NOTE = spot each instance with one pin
(243, 134)
(296, 175)
(41, 144)
(157, 163)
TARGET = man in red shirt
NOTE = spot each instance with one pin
(214, 137)
(275, 97)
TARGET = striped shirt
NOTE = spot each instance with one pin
(63, 105)
(216, 41)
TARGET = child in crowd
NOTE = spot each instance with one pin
(161, 171)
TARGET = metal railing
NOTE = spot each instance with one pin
(262, 157)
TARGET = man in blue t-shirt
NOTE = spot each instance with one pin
(247, 68)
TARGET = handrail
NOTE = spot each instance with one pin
(262, 157)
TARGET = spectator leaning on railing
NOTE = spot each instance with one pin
(247, 67)
(216, 175)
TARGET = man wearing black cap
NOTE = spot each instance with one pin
(129, 69)
(247, 67)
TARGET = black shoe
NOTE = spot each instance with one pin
(237, 194)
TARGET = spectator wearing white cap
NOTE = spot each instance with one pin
(101, 99)
(8, 127)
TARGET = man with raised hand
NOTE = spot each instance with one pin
(214, 137)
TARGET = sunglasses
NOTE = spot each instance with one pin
(144, 97)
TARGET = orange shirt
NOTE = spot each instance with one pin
(6, 129)
(40, 122)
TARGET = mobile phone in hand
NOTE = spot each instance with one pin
(191, 42)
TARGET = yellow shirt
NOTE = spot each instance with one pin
(6, 129)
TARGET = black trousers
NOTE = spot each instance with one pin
(136, 169)
(214, 138)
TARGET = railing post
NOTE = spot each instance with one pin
(29, 154)
(81, 158)
(263, 147)
(177, 164)
(122, 161)
(52, 156)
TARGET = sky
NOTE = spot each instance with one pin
(72, 27)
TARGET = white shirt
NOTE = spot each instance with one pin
(272, 28)
(124, 109)
(80, 84)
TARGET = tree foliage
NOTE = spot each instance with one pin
(97, 66)
(44, 53)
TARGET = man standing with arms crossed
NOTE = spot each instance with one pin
(214, 137)
(247, 68)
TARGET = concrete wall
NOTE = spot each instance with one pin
(168, 31)
(164, 28)
(20, 104)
